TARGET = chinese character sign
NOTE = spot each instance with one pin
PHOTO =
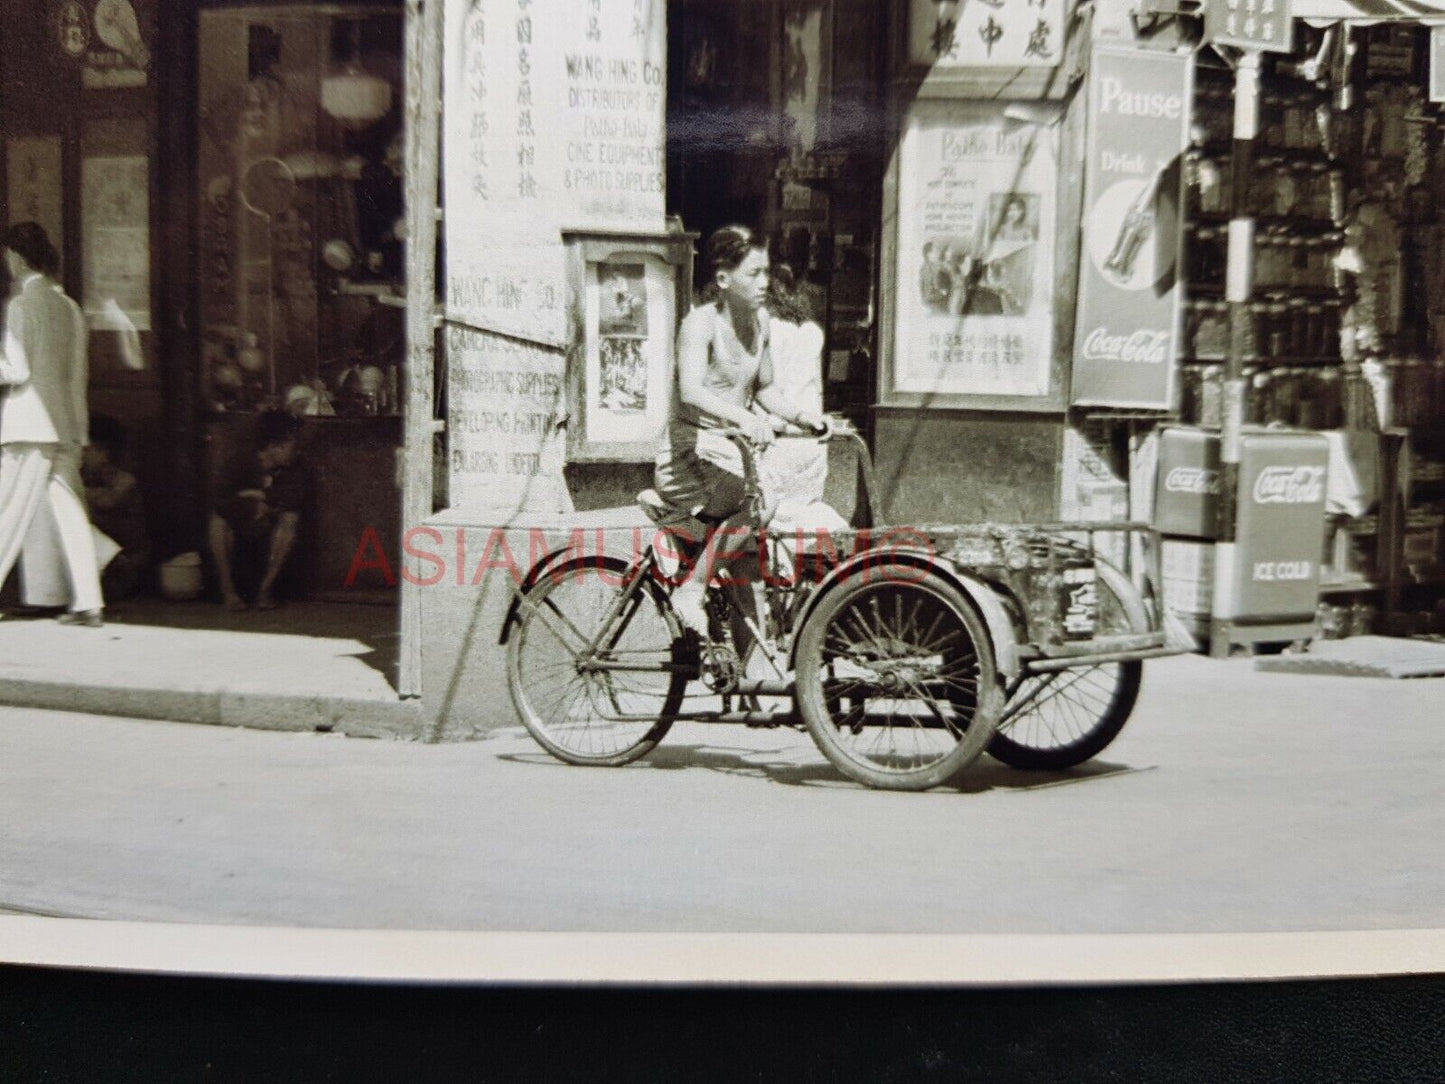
(554, 120)
(1249, 24)
(974, 294)
(115, 211)
(986, 33)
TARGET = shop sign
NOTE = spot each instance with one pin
(504, 399)
(108, 38)
(1262, 25)
(1127, 333)
(989, 34)
(1094, 489)
(553, 113)
(974, 296)
(115, 216)
(1390, 52)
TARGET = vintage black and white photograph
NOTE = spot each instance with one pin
(624, 374)
(623, 305)
(726, 467)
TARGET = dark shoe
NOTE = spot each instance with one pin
(35, 611)
(90, 619)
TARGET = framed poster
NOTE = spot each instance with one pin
(973, 292)
(627, 295)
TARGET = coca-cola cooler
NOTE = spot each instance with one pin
(1279, 535)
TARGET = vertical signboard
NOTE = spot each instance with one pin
(994, 33)
(1437, 63)
(976, 227)
(116, 221)
(1249, 24)
(32, 176)
(1127, 337)
(553, 113)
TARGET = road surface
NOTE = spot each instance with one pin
(1234, 801)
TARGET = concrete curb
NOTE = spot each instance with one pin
(358, 718)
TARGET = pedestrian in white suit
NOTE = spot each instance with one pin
(44, 420)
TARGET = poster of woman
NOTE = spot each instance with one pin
(974, 313)
(1008, 261)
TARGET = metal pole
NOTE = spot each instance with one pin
(424, 33)
(1238, 293)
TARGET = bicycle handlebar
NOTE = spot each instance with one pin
(837, 429)
(748, 449)
(791, 432)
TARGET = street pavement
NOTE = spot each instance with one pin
(1234, 801)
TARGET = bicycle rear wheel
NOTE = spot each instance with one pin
(896, 679)
(571, 703)
(1056, 720)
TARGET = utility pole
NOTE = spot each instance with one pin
(1238, 294)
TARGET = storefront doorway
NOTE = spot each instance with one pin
(775, 121)
(225, 185)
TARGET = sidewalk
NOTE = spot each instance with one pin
(308, 666)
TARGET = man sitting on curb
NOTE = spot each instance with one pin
(116, 508)
(258, 510)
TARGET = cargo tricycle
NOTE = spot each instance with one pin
(905, 652)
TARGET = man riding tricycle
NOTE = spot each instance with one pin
(904, 651)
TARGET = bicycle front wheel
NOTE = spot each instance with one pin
(577, 701)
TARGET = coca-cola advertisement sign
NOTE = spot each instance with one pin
(1127, 335)
(1281, 523)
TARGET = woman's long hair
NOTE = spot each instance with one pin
(785, 300)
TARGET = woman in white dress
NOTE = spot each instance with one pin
(794, 472)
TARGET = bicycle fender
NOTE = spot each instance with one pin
(1000, 627)
(534, 574)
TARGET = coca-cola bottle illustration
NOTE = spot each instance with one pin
(1136, 228)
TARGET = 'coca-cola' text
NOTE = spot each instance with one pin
(1142, 347)
(1193, 480)
(1290, 485)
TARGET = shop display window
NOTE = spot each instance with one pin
(300, 209)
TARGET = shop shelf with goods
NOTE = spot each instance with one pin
(1292, 350)
(1348, 328)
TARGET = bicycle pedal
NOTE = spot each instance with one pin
(687, 652)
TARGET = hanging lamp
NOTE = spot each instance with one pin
(353, 95)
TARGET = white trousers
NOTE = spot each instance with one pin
(41, 504)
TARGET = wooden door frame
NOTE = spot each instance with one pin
(421, 119)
